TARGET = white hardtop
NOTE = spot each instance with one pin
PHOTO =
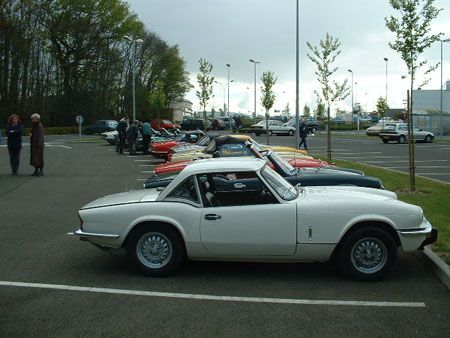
(222, 164)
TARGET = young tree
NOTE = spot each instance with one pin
(413, 37)
(205, 81)
(331, 92)
(268, 96)
(306, 111)
(320, 109)
(381, 106)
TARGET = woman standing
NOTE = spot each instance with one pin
(14, 132)
(37, 145)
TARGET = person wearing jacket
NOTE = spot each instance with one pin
(122, 130)
(37, 145)
(303, 131)
(14, 131)
(132, 134)
(146, 136)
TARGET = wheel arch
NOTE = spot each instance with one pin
(379, 224)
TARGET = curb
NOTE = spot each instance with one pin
(436, 265)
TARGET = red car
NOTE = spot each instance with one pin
(162, 148)
(160, 123)
(295, 162)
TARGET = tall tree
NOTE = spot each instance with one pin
(324, 58)
(267, 96)
(306, 111)
(381, 106)
(205, 82)
(413, 37)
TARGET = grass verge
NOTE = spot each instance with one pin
(433, 197)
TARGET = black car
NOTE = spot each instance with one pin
(101, 126)
(312, 126)
(192, 124)
(304, 176)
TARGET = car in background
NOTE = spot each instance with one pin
(218, 124)
(338, 120)
(102, 126)
(399, 132)
(160, 123)
(312, 126)
(242, 210)
(365, 119)
(274, 126)
(376, 129)
(226, 120)
(193, 124)
(162, 148)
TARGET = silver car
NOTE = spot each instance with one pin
(275, 127)
(399, 132)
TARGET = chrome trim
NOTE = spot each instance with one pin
(80, 232)
(408, 233)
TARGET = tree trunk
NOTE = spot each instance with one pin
(328, 135)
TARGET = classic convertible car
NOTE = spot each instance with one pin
(162, 148)
(269, 220)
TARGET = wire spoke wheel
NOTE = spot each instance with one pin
(369, 255)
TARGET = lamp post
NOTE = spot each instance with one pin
(442, 114)
(386, 59)
(351, 71)
(255, 63)
(297, 84)
(228, 104)
(133, 47)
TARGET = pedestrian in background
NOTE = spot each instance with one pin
(14, 132)
(122, 130)
(146, 136)
(132, 134)
(37, 145)
(303, 130)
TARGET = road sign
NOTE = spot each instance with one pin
(80, 119)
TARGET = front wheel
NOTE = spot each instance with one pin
(368, 254)
(291, 133)
(402, 139)
(428, 139)
(257, 134)
(385, 141)
(156, 250)
(270, 132)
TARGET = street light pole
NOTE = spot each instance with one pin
(228, 107)
(442, 114)
(255, 63)
(297, 86)
(386, 59)
(223, 87)
(351, 71)
(133, 47)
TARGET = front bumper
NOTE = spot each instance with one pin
(431, 238)
(416, 239)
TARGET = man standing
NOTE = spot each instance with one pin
(146, 136)
(303, 134)
(37, 145)
(132, 134)
(122, 130)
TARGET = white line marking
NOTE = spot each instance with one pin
(149, 160)
(405, 161)
(141, 179)
(147, 172)
(213, 297)
(64, 146)
(146, 165)
(111, 149)
(435, 174)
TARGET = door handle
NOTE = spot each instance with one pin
(212, 217)
(239, 185)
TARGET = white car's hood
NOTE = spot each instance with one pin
(365, 190)
(133, 196)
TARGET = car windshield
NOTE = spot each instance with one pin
(282, 163)
(166, 122)
(282, 187)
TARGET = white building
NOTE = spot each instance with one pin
(181, 108)
(427, 109)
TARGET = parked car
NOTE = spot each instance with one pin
(399, 132)
(101, 126)
(312, 125)
(162, 148)
(218, 124)
(192, 124)
(338, 120)
(376, 129)
(226, 120)
(266, 219)
(161, 123)
(275, 127)
(110, 136)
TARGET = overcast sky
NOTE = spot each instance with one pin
(234, 31)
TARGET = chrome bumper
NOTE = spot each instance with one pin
(81, 233)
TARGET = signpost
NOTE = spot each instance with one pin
(80, 120)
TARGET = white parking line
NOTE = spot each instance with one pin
(214, 297)
(433, 174)
(141, 179)
(146, 165)
(147, 172)
(405, 161)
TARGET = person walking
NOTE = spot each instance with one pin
(146, 136)
(37, 145)
(14, 131)
(132, 134)
(122, 130)
(303, 130)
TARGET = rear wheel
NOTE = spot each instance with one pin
(402, 139)
(384, 141)
(313, 130)
(257, 134)
(290, 133)
(368, 254)
(156, 250)
(428, 139)
(270, 133)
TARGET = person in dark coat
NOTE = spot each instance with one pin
(37, 145)
(303, 130)
(122, 130)
(14, 132)
(132, 134)
(146, 136)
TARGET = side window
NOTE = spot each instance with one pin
(234, 149)
(185, 191)
(234, 189)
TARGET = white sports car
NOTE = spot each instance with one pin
(256, 216)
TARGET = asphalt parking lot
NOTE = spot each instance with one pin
(52, 285)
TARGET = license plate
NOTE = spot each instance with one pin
(386, 137)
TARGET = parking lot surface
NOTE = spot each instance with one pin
(52, 285)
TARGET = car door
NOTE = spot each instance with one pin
(249, 222)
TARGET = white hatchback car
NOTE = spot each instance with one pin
(256, 216)
(275, 127)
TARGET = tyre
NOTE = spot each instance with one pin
(156, 250)
(428, 139)
(384, 141)
(367, 254)
(290, 133)
(402, 139)
(257, 134)
(270, 133)
(313, 130)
